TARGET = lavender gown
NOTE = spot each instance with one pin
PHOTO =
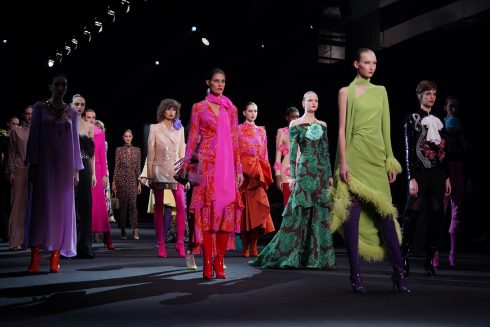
(53, 145)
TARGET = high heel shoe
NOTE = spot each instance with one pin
(135, 234)
(452, 260)
(191, 263)
(179, 247)
(435, 260)
(162, 251)
(35, 260)
(406, 266)
(429, 267)
(54, 266)
(218, 268)
(400, 283)
(108, 241)
(357, 285)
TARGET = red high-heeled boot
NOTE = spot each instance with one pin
(207, 251)
(55, 261)
(245, 244)
(35, 260)
(221, 244)
(254, 252)
(108, 241)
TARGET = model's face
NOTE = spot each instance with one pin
(292, 116)
(428, 98)
(250, 113)
(28, 114)
(79, 104)
(90, 117)
(217, 84)
(452, 107)
(127, 137)
(310, 103)
(169, 113)
(14, 122)
(58, 87)
(366, 66)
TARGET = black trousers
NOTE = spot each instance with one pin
(83, 205)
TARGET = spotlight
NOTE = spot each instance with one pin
(112, 13)
(126, 3)
(311, 27)
(87, 33)
(5, 41)
(67, 49)
(75, 43)
(157, 62)
(98, 23)
(194, 28)
(59, 55)
(50, 63)
(262, 45)
(205, 41)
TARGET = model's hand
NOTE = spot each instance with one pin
(292, 182)
(413, 188)
(187, 186)
(139, 188)
(344, 172)
(279, 182)
(330, 181)
(104, 181)
(448, 187)
(391, 176)
(239, 180)
(94, 180)
(75, 178)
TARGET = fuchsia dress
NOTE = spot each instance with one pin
(100, 219)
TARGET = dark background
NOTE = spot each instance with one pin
(116, 73)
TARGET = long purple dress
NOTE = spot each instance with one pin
(53, 146)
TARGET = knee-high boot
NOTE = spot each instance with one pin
(207, 252)
(35, 260)
(351, 238)
(159, 225)
(180, 221)
(221, 244)
(392, 246)
(452, 250)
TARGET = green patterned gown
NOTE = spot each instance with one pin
(304, 239)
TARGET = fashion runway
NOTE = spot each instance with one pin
(133, 287)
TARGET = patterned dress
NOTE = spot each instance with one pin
(305, 239)
(126, 173)
(258, 177)
(216, 187)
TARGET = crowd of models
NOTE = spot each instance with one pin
(56, 194)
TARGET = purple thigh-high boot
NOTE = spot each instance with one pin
(351, 238)
(392, 246)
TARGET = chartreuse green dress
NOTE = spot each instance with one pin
(369, 156)
(304, 239)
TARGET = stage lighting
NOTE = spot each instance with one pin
(98, 23)
(111, 13)
(50, 63)
(87, 33)
(75, 43)
(194, 28)
(59, 56)
(126, 3)
(157, 62)
(205, 41)
(67, 49)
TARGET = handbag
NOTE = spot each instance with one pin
(114, 201)
(192, 173)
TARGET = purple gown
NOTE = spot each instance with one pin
(53, 145)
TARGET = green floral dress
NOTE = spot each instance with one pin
(304, 239)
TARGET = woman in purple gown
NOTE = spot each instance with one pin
(53, 155)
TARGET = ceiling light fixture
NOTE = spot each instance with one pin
(98, 23)
(126, 3)
(112, 13)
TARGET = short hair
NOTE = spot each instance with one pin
(215, 71)
(290, 110)
(360, 51)
(168, 104)
(249, 103)
(87, 110)
(127, 130)
(77, 95)
(423, 86)
(100, 124)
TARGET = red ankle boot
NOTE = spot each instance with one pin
(55, 261)
(35, 260)
(221, 245)
(218, 267)
(207, 251)
(108, 241)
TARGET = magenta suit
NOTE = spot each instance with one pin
(100, 219)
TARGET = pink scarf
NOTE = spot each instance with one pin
(222, 101)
